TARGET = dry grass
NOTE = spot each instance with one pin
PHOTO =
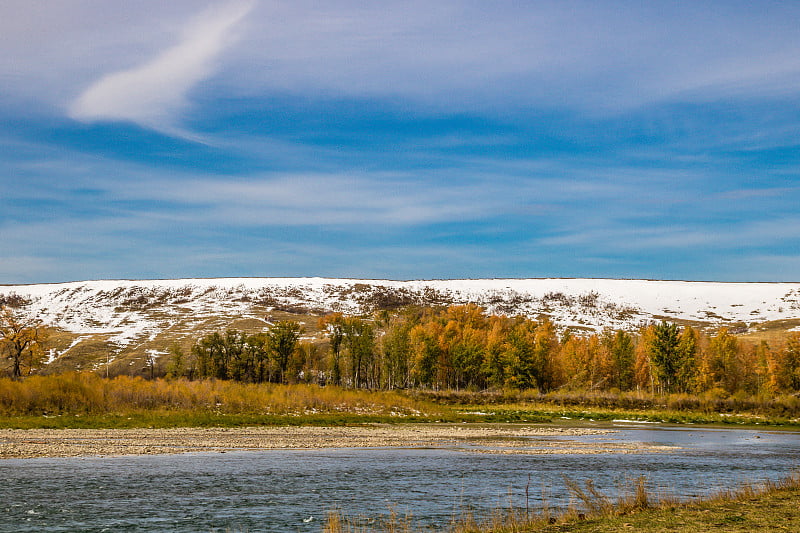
(773, 332)
(770, 505)
(337, 522)
(181, 329)
(677, 408)
(89, 394)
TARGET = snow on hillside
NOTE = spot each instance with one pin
(135, 311)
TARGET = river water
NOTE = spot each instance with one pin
(287, 491)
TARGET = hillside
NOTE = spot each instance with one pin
(122, 322)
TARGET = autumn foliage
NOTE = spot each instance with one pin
(463, 348)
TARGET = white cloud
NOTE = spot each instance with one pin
(153, 94)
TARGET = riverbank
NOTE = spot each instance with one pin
(473, 438)
(767, 506)
(88, 401)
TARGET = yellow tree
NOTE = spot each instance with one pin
(463, 346)
(792, 359)
(596, 362)
(21, 340)
(425, 353)
(642, 370)
(603, 362)
(544, 355)
(761, 355)
(724, 362)
(784, 366)
(575, 358)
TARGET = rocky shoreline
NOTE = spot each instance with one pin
(18, 443)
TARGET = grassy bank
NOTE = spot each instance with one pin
(534, 412)
(85, 400)
(775, 411)
(783, 405)
(768, 506)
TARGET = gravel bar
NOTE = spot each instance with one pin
(28, 443)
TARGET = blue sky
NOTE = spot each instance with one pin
(399, 140)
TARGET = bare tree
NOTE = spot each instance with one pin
(21, 340)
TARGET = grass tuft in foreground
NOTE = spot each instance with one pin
(766, 506)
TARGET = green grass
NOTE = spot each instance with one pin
(198, 418)
(545, 412)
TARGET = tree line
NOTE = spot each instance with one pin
(461, 347)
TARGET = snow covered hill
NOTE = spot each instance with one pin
(141, 316)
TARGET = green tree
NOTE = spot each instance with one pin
(396, 347)
(493, 367)
(257, 349)
(283, 338)
(334, 324)
(240, 366)
(517, 357)
(688, 346)
(665, 355)
(177, 364)
(621, 349)
(211, 356)
(359, 339)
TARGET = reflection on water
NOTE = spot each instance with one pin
(282, 490)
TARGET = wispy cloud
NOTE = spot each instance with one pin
(453, 55)
(307, 199)
(154, 94)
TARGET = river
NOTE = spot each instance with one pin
(287, 491)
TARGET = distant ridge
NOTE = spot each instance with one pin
(148, 280)
(133, 317)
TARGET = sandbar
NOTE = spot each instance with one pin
(500, 438)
